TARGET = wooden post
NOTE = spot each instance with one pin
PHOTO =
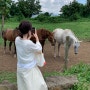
(66, 51)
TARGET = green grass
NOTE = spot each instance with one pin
(10, 76)
(81, 70)
(80, 28)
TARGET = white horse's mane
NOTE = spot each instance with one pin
(73, 36)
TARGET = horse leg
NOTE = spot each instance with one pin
(42, 46)
(5, 46)
(66, 51)
(59, 49)
(54, 48)
(10, 44)
(14, 50)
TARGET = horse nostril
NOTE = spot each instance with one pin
(76, 53)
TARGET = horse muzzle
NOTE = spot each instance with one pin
(76, 53)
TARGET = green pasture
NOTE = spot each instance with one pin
(81, 29)
(81, 70)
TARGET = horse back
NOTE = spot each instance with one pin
(58, 34)
(8, 34)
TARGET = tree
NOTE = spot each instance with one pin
(72, 11)
(88, 3)
(29, 7)
(37, 7)
(4, 10)
(14, 10)
(43, 17)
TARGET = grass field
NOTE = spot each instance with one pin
(81, 29)
(82, 71)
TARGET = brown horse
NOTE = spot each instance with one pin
(9, 35)
(44, 34)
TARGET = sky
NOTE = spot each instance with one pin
(53, 6)
(82, 1)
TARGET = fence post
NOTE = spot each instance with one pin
(66, 51)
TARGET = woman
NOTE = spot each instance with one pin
(29, 76)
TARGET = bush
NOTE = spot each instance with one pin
(74, 17)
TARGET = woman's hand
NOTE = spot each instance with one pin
(36, 36)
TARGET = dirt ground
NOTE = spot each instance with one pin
(8, 62)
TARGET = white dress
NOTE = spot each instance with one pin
(29, 77)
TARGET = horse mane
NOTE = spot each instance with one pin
(72, 34)
(45, 33)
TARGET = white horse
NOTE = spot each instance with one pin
(60, 37)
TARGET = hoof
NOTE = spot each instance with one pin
(54, 55)
(10, 52)
(14, 55)
(67, 59)
(4, 52)
(59, 56)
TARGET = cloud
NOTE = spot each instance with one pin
(53, 6)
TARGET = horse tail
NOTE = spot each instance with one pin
(3, 34)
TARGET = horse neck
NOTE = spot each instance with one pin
(46, 35)
(74, 39)
(16, 31)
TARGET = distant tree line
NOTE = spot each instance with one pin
(28, 8)
(70, 12)
(75, 10)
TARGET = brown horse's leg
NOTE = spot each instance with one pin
(42, 43)
(14, 50)
(10, 44)
(5, 46)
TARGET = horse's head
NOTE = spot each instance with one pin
(74, 40)
(44, 34)
(76, 46)
(51, 38)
